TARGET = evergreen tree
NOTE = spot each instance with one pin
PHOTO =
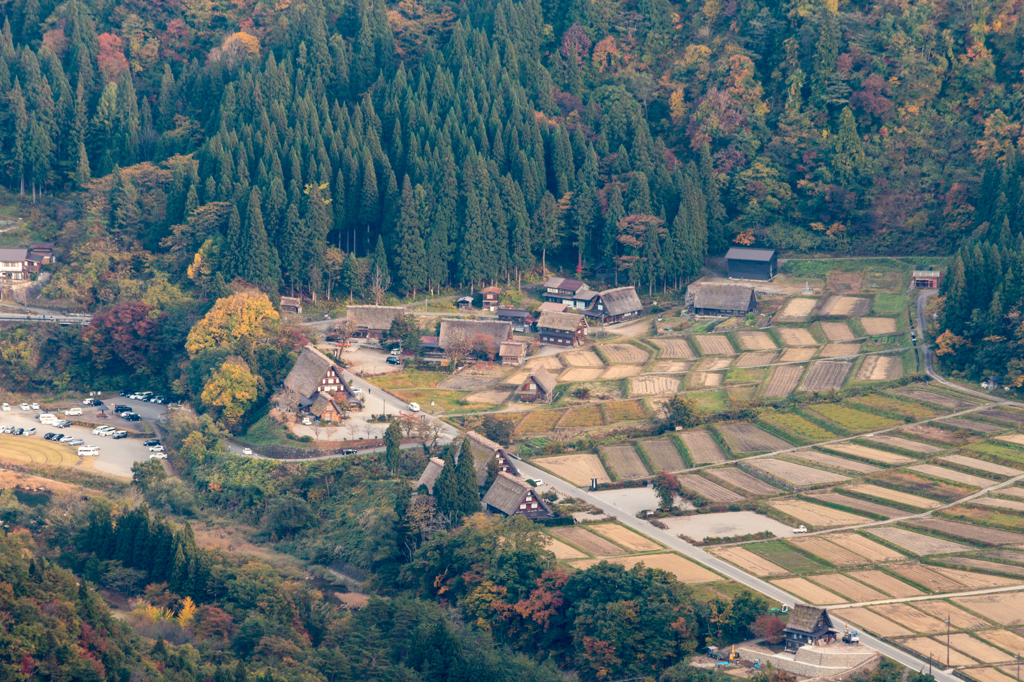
(546, 229)
(380, 260)
(466, 490)
(259, 262)
(848, 154)
(410, 252)
(715, 222)
(393, 446)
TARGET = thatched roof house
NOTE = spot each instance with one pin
(615, 305)
(483, 450)
(538, 386)
(806, 625)
(488, 333)
(430, 474)
(724, 299)
(373, 320)
(511, 495)
(313, 373)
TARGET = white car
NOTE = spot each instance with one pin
(356, 390)
(158, 455)
(396, 351)
(73, 412)
(100, 429)
(156, 448)
(246, 451)
(35, 406)
(6, 407)
(414, 407)
(537, 482)
(800, 529)
(25, 406)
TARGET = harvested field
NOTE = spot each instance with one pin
(989, 675)
(590, 543)
(837, 331)
(516, 378)
(886, 583)
(747, 438)
(1005, 608)
(577, 469)
(624, 353)
(904, 444)
(540, 421)
(859, 505)
(738, 478)
(684, 570)
(869, 549)
(654, 385)
(796, 337)
(561, 550)
(888, 403)
(587, 415)
(548, 362)
(931, 433)
(816, 515)
(1015, 438)
(895, 496)
(463, 382)
(833, 554)
(826, 376)
(1007, 639)
(808, 591)
(933, 581)
(883, 627)
(797, 475)
(872, 454)
(755, 341)
(1014, 505)
(620, 372)
(851, 419)
(582, 358)
(1005, 415)
(623, 461)
(797, 309)
(494, 397)
(976, 581)
(1012, 492)
(798, 354)
(672, 367)
(839, 350)
(927, 647)
(834, 462)
(848, 587)
(580, 374)
(977, 649)
(971, 425)
(878, 325)
(971, 564)
(845, 306)
(713, 364)
(708, 490)
(677, 349)
(954, 476)
(785, 555)
(663, 455)
(936, 399)
(622, 410)
(970, 533)
(623, 536)
(756, 359)
(748, 561)
(702, 447)
(880, 368)
(783, 381)
(915, 543)
(1006, 555)
(910, 617)
(705, 379)
(714, 344)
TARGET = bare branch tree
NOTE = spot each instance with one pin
(458, 345)
(380, 282)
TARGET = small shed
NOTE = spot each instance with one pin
(512, 496)
(512, 353)
(927, 279)
(464, 303)
(537, 387)
(724, 299)
(808, 625)
(291, 304)
(430, 474)
(490, 297)
(562, 329)
(757, 264)
(519, 319)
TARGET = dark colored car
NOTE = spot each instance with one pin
(96, 403)
(349, 451)
(121, 408)
(392, 360)
(132, 417)
(48, 436)
(18, 431)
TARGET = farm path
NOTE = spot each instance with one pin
(713, 562)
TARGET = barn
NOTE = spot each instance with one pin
(615, 305)
(758, 264)
(724, 299)
(808, 625)
(927, 279)
(538, 387)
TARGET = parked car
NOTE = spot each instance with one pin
(157, 448)
(132, 417)
(392, 360)
(150, 442)
(88, 451)
(48, 436)
(158, 455)
(18, 431)
(356, 390)
(121, 408)
(349, 451)
(65, 438)
(74, 441)
(73, 412)
(26, 407)
(800, 529)
(118, 435)
(92, 402)
(101, 428)
(30, 431)
(62, 424)
(246, 451)
(6, 407)
(414, 407)
(396, 351)
(306, 421)
(35, 406)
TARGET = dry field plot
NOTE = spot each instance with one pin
(783, 381)
(869, 620)
(586, 415)
(797, 475)
(702, 447)
(582, 358)
(624, 353)
(797, 309)
(748, 561)
(927, 578)
(976, 649)
(798, 354)
(849, 588)
(808, 591)
(561, 550)
(869, 549)
(1007, 639)
(1015, 438)
(747, 438)
(594, 545)
(971, 564)
(577, 469)
(755, 341)
(493, 397)
(623, 410)
(705, 379)
(833, 554)
(971, 425)
(621, 535)
(716, 344)
(621, 371)
(878, 325)
(580, 374)
(937, 399)
(950, 475)
(1012, 492)
(548, 362)
(880, 368)
(930, 648)
(744, 481)
(1005, 608)
(958, 618)
(677, 349)
(872, 454)
(904, 444)
(910, 617)
(796, 337)
(826, 376)
(672, 367)
(989, 675)
(817, 515)
(839, 350)
(624, 462)
(663, 455)
(684, 570)
(860, 505)
(713, 364)
(845, 306)
(1013, 505)
(1006, 416)
(895, 496)
(931, 433)
(834, 462)
(653, 385)
(915, 543)
(517, 378)
(886, 583)
(541, 421)
(837, 331)
(756, 359)
(708, 489)
(970, 533)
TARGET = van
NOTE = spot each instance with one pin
(47, 418)
(100, 429)
(30, 431)
(88, 451)
(145, 395)
(73, 412)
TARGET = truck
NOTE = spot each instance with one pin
(800, 529)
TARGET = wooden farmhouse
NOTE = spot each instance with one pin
(291, 304)
(927, 279)
(808, 625)
(315, 373)
(430, 474)
(481, 336)
(757, 264)
(571, 293)
(512, 496)
(519, 319)
(485, 451)
(43, 252)
(538, 387)
(724, 299)
(490, 297)
(562, 329)
(325, 409)
(615, 305)
(373, 321)
(512, 353)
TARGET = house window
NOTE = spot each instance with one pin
(522, 506)
(533, 506)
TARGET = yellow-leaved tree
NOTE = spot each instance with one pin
(187, 612)
(246, 315)
(233, 389)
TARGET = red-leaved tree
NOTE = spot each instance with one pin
(768, 627)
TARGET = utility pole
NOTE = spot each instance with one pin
(1018, 667)
(947, 641)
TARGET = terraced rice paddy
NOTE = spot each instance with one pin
(977, 650)
(797, 475)
(897, 496)
(672, 367)
(663, 455)
(624, 537)
(622, 410)
(869, 549)
(584, 416)
(833, 554)
(548, 362)
(798, 354)
(1013, 505)
(713, 364)
(797, 309)
(845, 306)
(880, 368)
(904, 444)
(958, 618)
(871, 454)
(817, 515)
(705, 379)
(783, 381)
(744, 481)
(1014, 438)
(908, 616)
(582, 358)
(989, 675)
(951, 475)
(972, 564)
(653, 385)
(890, 404)
(708, 490)
(714, 344)
(756, 359)
(747, 438)
(886, 583)
(878, 325)
(868, 620)
(577, 469)
(833, 461)
(592, 544)
(930, 648)
(932, 433)
(915, 543)
(784, 555)
(540, 421)
(1007, 639)
(848, 588)
(808, 591)
(796, 337)
(683, 569)
(839, 350)
(620, 372)
(853, 420)
(624, 353)
(859, 505)
(561, 550)
(1005, 415)
(623, 462)
(677, 349)
(931, 580)
(795, 427)
(837, 331)
(755, 341)
(748, 561)
(1005, 608)
(826, 376)
(703, 449)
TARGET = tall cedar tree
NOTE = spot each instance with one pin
(410, 252)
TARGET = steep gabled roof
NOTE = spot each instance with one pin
(497, 331)
(430, 474)
(804, 618)
(723, 297)
(376, 317)
(565, 322)
(506, 493)
(309, 369)
(14, 255)
(483, 450)
(543, 378)
(491, 290)
(621, 301)
(758, 255)
(563, 283)
(320, 404)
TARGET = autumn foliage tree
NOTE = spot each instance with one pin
(247, 316)
(769, 628)
(125, 341)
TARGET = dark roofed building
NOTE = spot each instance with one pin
(43, 251)
(552, 307)
(464, 303)
(562, 329)
(13, 263)
(759, 264)
(724, 299)
(430, 474)
(371, 321)
(519, 319)
(489, 298)
(537, 387)
(483, 450)
(325, 409)
(808, 625)
(927, 279)
(571, 292)
(511, 495)
(615, 305)
(315, 373)
(291, 304)
(485, 336)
